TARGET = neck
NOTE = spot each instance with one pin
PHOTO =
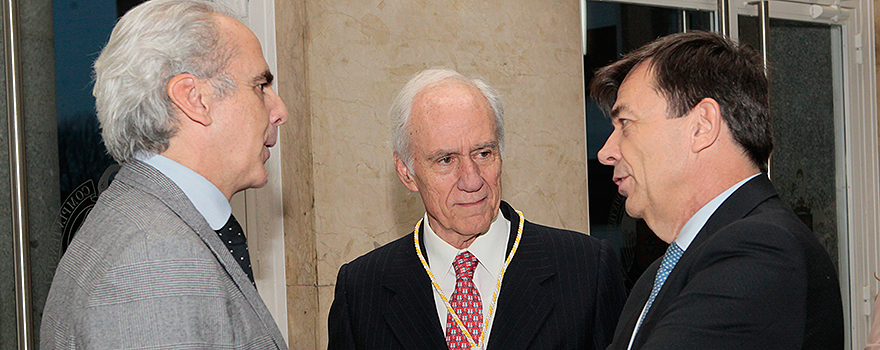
(699, 193)
(455, 239)
(193, 160)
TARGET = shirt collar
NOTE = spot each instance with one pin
(696, 222)
(489, 248)
(206, 197)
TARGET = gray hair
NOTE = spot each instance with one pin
(151, 44)
(401, 108)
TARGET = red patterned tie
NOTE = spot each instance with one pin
(466, 303)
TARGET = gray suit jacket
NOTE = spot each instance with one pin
(146, 271)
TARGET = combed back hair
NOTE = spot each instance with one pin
(151, 44)
(688, 67)
(401, 108)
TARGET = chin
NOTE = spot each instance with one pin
(259, 180)
(479, 228)
(633, 213)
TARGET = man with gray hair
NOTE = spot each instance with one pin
(474, 274)
(185, 102)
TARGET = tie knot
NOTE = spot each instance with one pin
(464, 265)
(673, 253)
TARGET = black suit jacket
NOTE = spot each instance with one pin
(754, 277)
(562, 290)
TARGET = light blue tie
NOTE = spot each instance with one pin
(673, 253)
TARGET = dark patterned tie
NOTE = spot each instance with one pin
(466, 303)
(673, 253)
(233, 237)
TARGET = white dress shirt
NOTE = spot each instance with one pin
(206, 197)
(691, 228)
(490, 249)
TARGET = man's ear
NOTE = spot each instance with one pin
(191, 97)
(707, 124)
(405, 175)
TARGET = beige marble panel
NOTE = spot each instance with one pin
(360, 53)
(295, 150)
(301, 301)
(325, 297)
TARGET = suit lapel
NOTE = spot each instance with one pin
(737, 206)
(633, 307)
(411, 313)
(525, 300)
(155, 183)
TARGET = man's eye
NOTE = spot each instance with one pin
(445, 160)
(484, 154)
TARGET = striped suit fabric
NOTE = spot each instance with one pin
(563, 290)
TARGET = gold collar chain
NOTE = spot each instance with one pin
(486, 320)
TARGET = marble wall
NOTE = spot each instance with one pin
(340, 64)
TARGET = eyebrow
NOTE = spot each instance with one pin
(615, 112)
(490, 144)
(443, 153)
(265, 78)
(440, 154)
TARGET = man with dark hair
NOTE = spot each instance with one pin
(690, 147)
(185, 101)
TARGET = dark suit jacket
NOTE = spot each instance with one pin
(146, 271)
(562, 290)
(754, 277)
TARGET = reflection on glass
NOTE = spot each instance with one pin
(804, 166)
(614, 29)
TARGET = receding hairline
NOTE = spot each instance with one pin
(436, 95)
(234, 35)
(435, 91)
(226, 28)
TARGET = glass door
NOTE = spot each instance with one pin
(64, 164)
(825, 142)
(808, 165)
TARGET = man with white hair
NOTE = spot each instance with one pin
(474, 273)
(185, 102)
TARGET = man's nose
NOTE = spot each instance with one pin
(610, 152)
(469, 179)
(277, 109)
